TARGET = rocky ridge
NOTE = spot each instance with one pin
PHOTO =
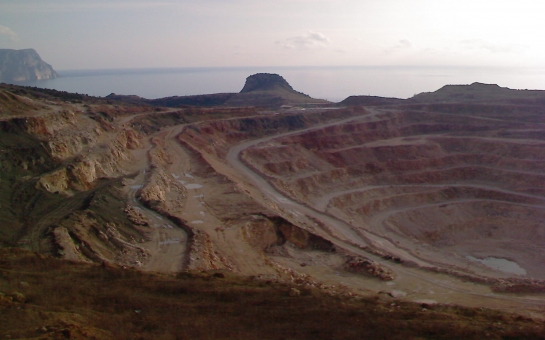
(479, 92)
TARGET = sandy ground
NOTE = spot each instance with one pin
(169, 244)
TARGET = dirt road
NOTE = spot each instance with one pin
(415, 283)
(168, 243)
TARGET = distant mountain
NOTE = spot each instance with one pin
(261, 90)
(478, 92)
(23, 65)
(272, 90)
(370, 100)
(202, 100)
(267, 82)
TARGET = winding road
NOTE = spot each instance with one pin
(343, 235)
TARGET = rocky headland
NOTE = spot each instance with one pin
(23, 65)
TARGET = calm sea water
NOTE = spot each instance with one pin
(331, 83)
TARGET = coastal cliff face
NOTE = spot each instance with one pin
(23, 65)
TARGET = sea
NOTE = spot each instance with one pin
(333, 83)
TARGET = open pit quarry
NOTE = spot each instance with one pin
(428, 201)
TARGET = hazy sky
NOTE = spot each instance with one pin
(76, 34)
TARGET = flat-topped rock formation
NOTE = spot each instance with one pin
(266, 82)
(261, 90)
(478, 92)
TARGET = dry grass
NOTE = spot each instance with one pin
(48, 298)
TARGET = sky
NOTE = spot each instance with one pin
(76, 34)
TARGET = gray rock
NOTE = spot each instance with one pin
(23, 65)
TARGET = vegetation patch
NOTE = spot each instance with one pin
(43, 297)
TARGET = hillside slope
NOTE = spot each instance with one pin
(46, 298)
(479, 92)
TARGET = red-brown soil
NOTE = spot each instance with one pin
(415, 202)
(457, 184)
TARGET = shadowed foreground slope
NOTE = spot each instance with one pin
(46, 298)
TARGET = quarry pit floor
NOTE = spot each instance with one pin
(231, 179)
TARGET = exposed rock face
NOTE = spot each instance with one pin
(270, 90)
(268, 233)
(303, 239)
(365, 266)
(23, 65)
(265, 82)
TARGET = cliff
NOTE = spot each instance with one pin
(23, 65)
